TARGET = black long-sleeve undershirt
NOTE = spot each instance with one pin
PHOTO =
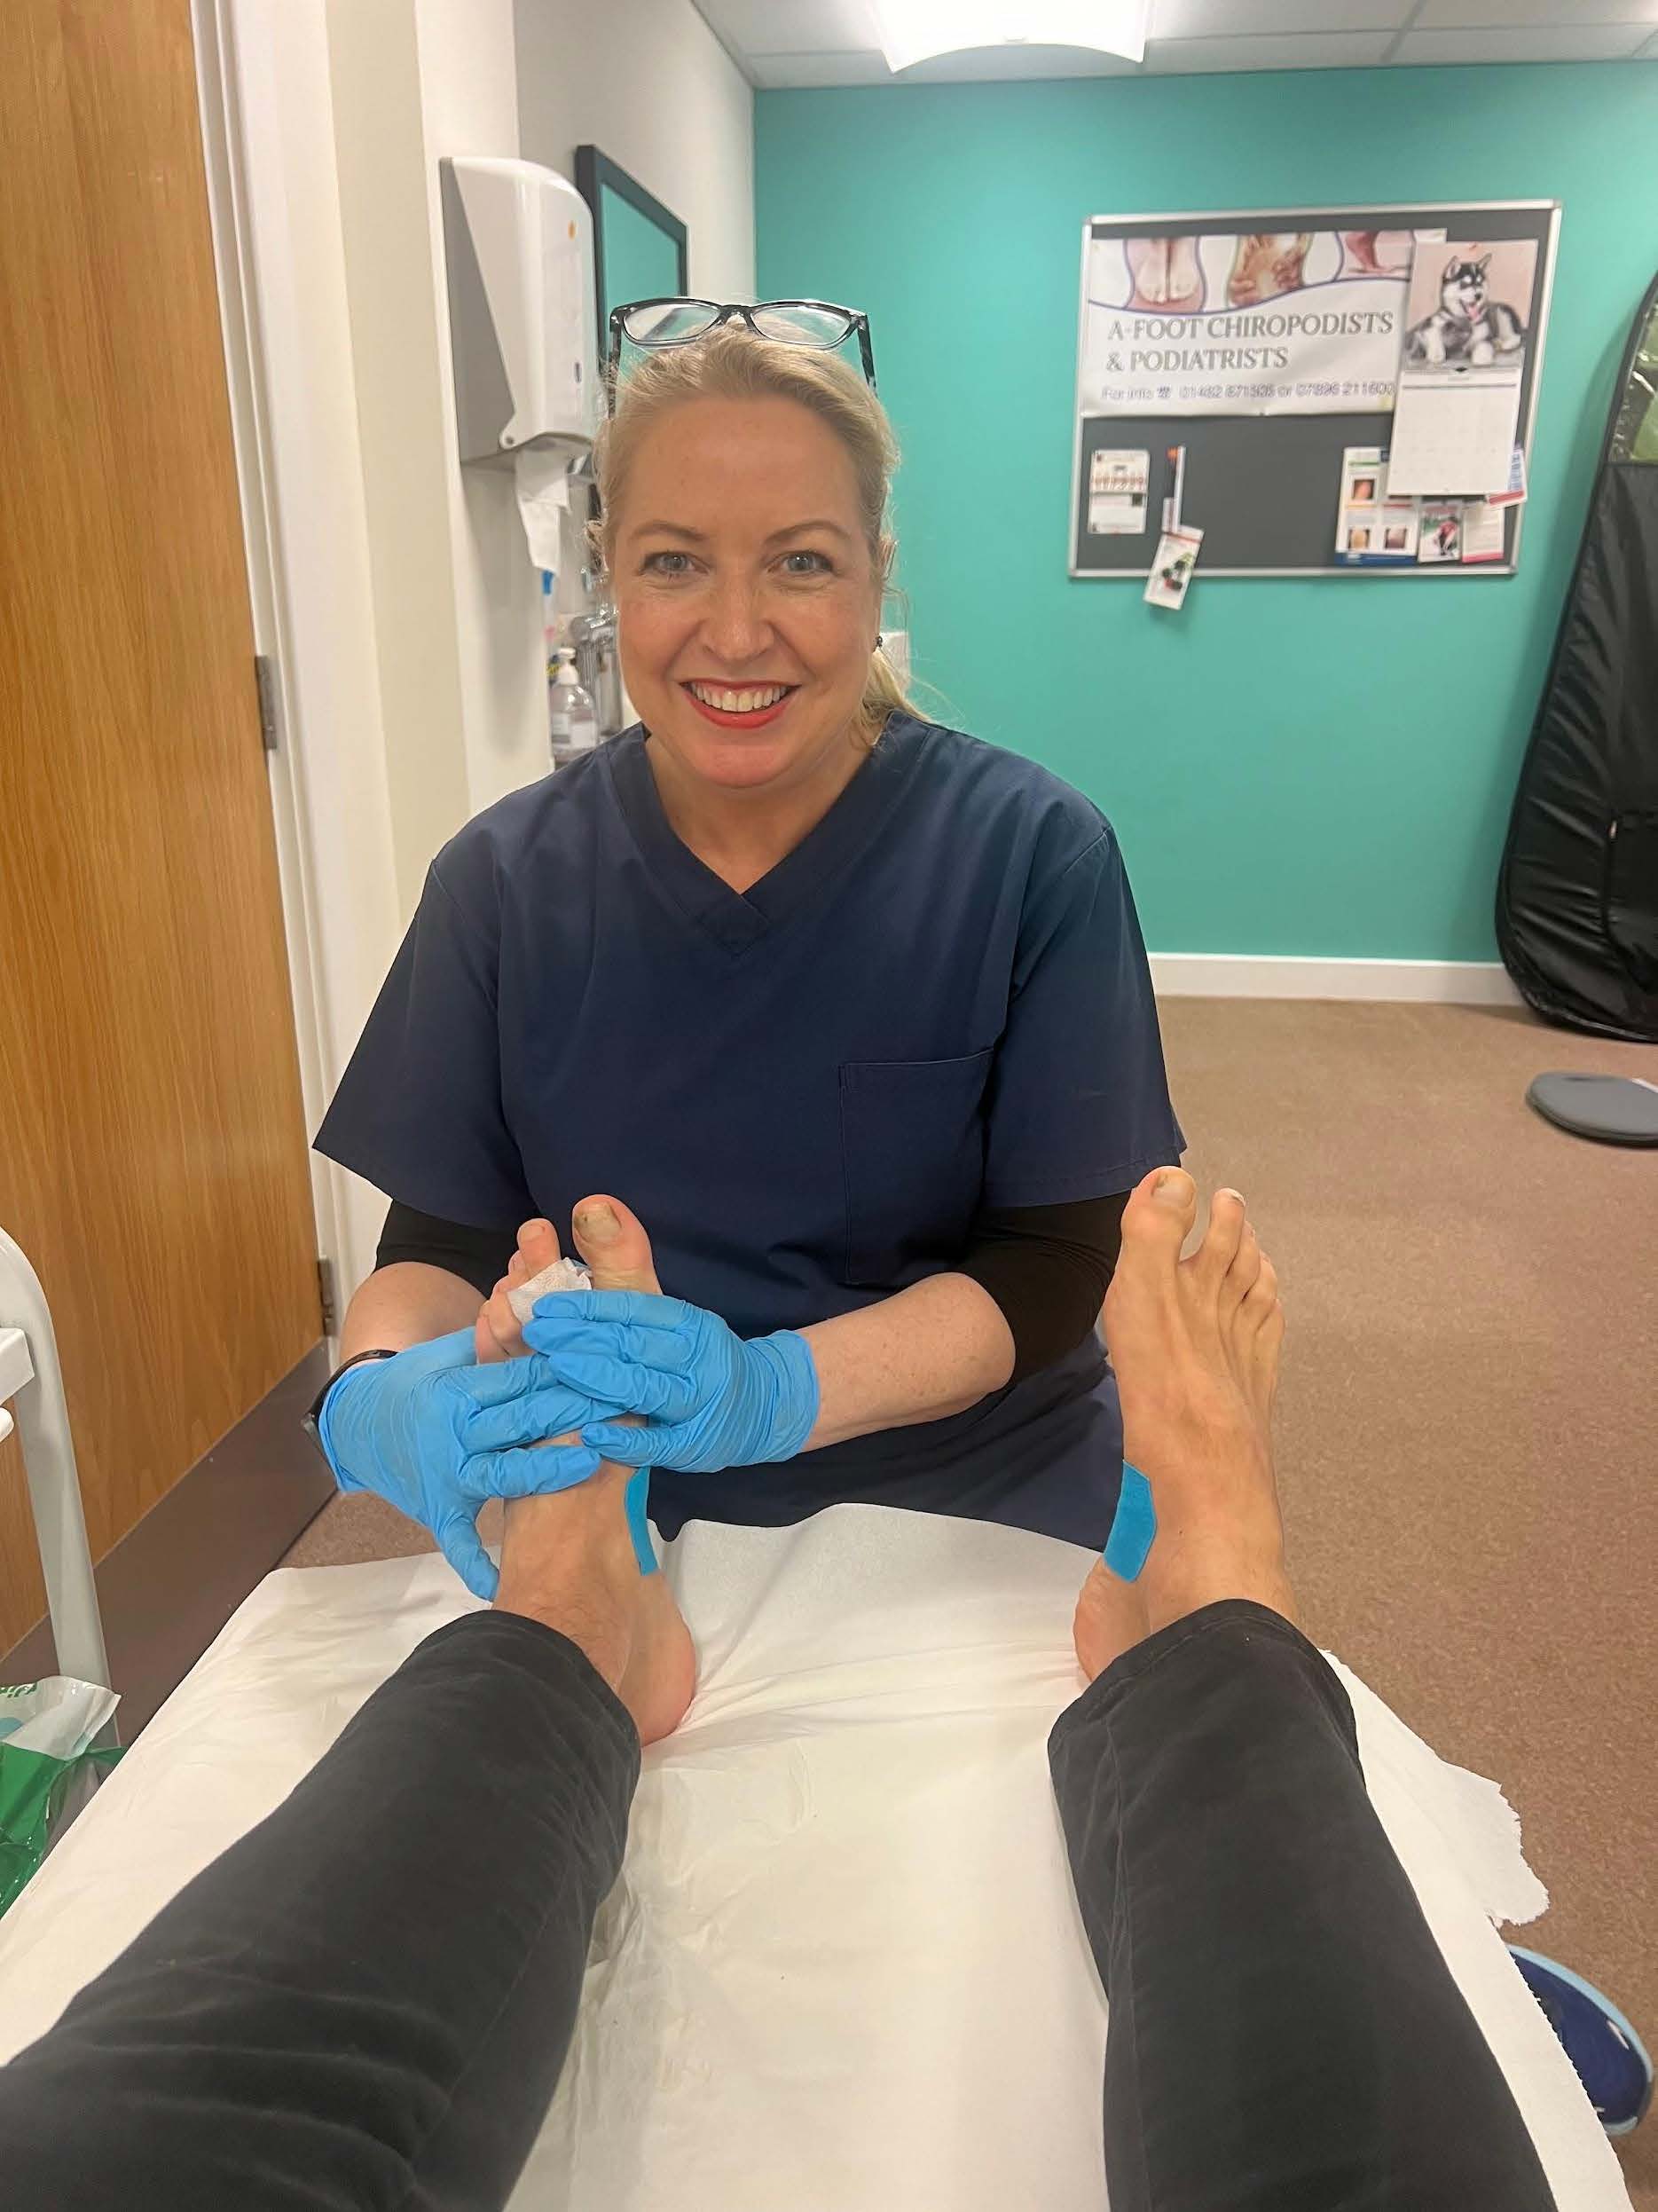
(1047, 1267)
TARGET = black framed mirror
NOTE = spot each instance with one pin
(638, 245)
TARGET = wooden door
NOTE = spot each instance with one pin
(152, 1150)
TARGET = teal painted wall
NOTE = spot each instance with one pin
(1296, 767)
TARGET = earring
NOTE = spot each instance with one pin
(879, 640)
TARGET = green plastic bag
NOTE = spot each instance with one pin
(46, 1739)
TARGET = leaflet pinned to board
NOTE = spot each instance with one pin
(1119, 477)
(1376, 528)
(1373, 529)
(1177, 556)
(1483, 531)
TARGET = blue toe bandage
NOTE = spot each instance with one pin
(636, 1500)
(1129, 1545)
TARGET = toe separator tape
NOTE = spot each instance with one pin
(1129, 1545)
(638, 1498)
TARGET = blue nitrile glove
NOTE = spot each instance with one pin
(437, 1435)
(710, 1397)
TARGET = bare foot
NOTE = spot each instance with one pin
(1196, 1345)
(567, 1558)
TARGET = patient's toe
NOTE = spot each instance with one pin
(1157, 1218)
(498, 1335)
(538, 1246)
(611, 1239)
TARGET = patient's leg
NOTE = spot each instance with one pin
(540, 1562)
(1283, 2029)
(367, 2001)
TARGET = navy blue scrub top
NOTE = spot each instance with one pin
(938, 1003)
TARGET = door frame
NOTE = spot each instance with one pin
(266, 112)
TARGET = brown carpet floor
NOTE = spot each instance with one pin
(1469, 1431)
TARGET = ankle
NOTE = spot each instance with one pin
(567, 1560)
(1210, 1575)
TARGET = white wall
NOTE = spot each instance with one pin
(458, 602)
(275, 196)
(395, 588)
(399, 347)
(649, 83)
(469, 93)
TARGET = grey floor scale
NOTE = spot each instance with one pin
(1613, 1109)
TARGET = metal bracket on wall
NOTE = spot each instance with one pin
(265, 683)
(327, 1298)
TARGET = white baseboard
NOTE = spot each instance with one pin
(1254, 975)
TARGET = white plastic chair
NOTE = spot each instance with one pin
(31, 1378)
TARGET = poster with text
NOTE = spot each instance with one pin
(1250, 322)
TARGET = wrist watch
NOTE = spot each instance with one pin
(308, 1423)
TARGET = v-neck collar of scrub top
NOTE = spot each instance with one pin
(738, 919)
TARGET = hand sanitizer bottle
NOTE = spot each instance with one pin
(572, 725)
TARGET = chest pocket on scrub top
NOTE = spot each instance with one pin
(913, 1148)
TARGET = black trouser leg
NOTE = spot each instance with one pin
(1285, 2033)
(365, 2003)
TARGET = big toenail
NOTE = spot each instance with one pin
(1168, 1189)
(598, 1222)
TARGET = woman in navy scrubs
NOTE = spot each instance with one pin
(852, 1009)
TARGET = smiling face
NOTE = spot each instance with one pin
(747, 595)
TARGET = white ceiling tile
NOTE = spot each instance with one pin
(793, 27)
(1467, 15)
(1331, 49)
(775, 71)
(1227, 18)
(1585, 42)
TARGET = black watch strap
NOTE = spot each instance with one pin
(310, 1421)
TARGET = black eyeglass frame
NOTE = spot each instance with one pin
(856, 321)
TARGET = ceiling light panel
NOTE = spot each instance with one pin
(915, 30)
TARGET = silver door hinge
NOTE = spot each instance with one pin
(328, 1297)
(265, 683)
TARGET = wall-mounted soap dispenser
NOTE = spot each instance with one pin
(518, 242)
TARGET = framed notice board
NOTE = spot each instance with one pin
(1276, 360)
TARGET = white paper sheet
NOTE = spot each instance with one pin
(1454, 437)
(542, 480)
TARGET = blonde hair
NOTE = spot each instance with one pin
(731, 363)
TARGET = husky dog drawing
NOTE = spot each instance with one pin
(1467, 325)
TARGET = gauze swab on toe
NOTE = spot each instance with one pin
(565, 1275)
(1133, 1528)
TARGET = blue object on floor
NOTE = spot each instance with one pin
(1608, 2056)
(1133, 1527)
